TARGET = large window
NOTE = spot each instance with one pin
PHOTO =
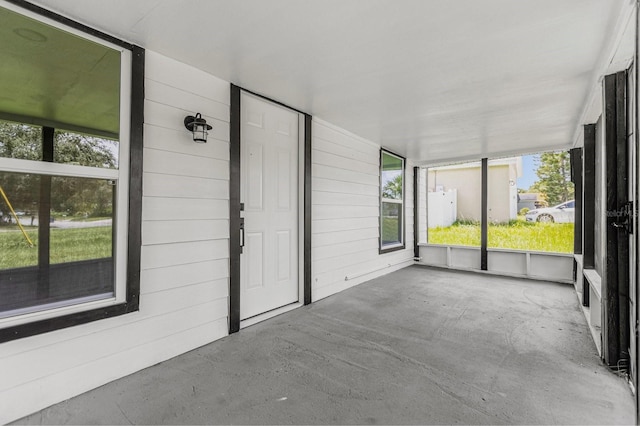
(391, 202)
(65, 199)
(454, 204)
(530, 203)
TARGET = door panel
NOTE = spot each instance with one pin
(269, 191)
(254, 250)
(255, 171)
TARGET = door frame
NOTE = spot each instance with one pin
(304, 176)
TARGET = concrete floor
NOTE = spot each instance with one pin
(418, 346)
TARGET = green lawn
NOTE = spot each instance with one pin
(390, 229)
(67, 245)
(517, 234)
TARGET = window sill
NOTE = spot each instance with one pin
(56, 323)
(390, 249)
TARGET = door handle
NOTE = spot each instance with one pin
(241, 234)
(623, 226)
(627, 213)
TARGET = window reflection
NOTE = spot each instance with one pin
(56, 240)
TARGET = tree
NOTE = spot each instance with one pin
(554, 177)
(393, 188)
(90, 197)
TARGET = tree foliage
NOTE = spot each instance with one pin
(393, 188)
(69, 195)
(554, 177)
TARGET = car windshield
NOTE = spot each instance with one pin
(567, 205)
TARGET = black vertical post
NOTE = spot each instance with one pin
(611, 308)
(307, 208)
(622, 197)
(589, 210)
(576, 178)
(416, 211)
(234, 211)
(588, 205)
(44, 217)
(636, 161)
(484, 225)
(136, 157)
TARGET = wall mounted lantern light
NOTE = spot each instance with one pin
(198, 126)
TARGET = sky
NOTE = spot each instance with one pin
(528, 171)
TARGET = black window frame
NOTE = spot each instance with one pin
(382, 249)
(134, 226)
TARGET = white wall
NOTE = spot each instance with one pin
(185, 254)
(557, 267)
(345, 213)
(422, 205)
(467, 181)
(184, 277)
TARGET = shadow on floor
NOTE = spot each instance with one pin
(417, 346)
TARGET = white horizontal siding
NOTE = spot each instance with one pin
(182, 231)
(161, 185)
(51, 388)
(337, 237)
(185, 248)
(157, 256)
(345, 212)
(179, 140)
(184, 266)
(174, 276)
(328, 184)
(169, 208)
(334, 198)
(189, 165)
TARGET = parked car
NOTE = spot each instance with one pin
(562, 213)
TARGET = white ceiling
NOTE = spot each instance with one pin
(433, 80)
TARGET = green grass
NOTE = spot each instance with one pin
(67, 245)
(389, 229)
(517, 234)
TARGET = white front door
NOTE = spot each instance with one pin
(269, 191)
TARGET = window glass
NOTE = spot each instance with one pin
(62, 93)
(392, 197)
(454, 209)
(21, 141)
(81, 219)
(84, 150)
(19, 204)
(530, 202)
(79, 228)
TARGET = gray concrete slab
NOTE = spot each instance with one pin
(418, 346)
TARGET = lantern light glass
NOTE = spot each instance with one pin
(198, 126)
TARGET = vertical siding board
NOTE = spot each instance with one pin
(308, 210)
(234, 210)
